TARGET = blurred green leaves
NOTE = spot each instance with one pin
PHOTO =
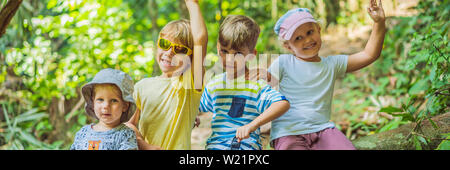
(421, 69)
(15, 136)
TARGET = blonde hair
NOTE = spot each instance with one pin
(239, 31)
(180, 31)
(110, 87)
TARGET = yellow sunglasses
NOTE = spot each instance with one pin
(177, 48)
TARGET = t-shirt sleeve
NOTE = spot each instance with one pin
(276, 69)
(128, 141)
(187, 82)
(206, 102)
(340, 65)
(268, 96)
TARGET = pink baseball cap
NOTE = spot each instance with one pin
(290, 21)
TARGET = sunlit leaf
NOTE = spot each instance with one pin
(390, 109)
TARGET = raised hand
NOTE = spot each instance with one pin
(376, 11)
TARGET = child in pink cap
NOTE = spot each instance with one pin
(307, 80)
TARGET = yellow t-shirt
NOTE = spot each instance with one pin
(168, 109)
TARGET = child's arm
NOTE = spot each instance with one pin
(375, 44)
(135, 118)
(142, 145)
(132, 123)
(197, 121)
(200, 36)
(260, 73)
(275, 110)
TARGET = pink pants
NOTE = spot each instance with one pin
(327, 139)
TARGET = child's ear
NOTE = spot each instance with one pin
(218, 48)
(287, 46)
(318, 27)
(126, 106)
(250, 56)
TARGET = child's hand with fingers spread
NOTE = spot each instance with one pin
(376, 11)
(243, 132)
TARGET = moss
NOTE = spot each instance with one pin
(365, 144)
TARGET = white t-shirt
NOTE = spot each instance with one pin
(308, 86)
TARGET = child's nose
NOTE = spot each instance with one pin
(230, 57)
(308, 39)
(169, 52)
(106, 105)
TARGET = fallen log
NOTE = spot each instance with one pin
(397, 139)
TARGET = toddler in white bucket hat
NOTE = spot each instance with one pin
(108, 99)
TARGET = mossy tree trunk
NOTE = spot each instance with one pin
(397, 139)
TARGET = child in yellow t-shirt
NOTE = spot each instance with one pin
(167, 105)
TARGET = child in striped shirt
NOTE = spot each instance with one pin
(240, 105)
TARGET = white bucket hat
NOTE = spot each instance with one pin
(110, 76)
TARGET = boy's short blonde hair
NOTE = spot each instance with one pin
(239, 31)
(180, 31)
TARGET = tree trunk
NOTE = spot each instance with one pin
(396, 139)
(58, 109)
(332, 7)
(219, 7)
(7, 13)
(182, 10)
(274, 13)
(155, 34)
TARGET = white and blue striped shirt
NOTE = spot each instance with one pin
(235, 103)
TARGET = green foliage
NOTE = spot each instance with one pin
(18, 129)
(421, 70)
(445, 144)
(71, 42)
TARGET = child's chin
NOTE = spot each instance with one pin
(111, 122)
(166, 69)
(173, 71)
(306, 56)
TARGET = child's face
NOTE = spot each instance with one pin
(170, 63)
(234, 60)
(306, 41)
(108, 104)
